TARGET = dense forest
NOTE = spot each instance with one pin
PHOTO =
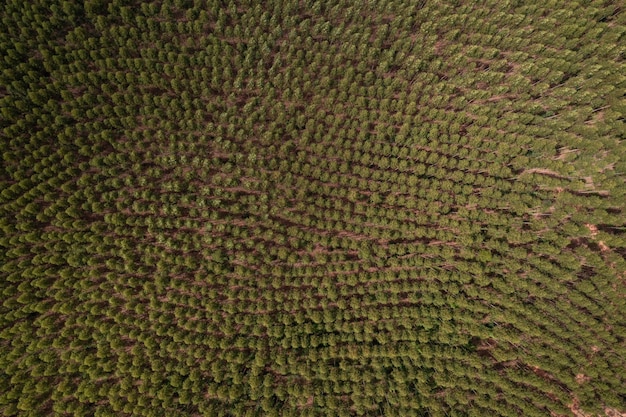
(312, 208)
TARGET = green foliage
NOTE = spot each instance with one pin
(287, 209)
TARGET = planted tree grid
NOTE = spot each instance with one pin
(312, 208)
